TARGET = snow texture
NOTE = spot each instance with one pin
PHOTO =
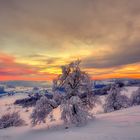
(119, 125)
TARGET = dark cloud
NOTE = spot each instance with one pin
(121, 55)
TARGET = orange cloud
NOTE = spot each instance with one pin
(11, 70)
(5, 58)
(127, 71)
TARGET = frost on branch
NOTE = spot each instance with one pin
(43, 107)
(116, 101)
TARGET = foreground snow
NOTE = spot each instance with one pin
(119, 125)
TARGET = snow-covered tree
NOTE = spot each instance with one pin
(72, 90)
(43, 107)
(10, 119)
(75, 82)
(135, 99)
(77, 97)
(116, 101)
(74, 112)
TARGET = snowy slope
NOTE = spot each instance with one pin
(128, 90)
(119, 125)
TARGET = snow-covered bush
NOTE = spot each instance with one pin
(116, 101)
(135, 98)
(9, 120)
(43, 107)
(74, 112)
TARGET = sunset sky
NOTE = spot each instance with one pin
(38, 36)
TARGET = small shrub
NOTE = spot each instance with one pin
(9, 120)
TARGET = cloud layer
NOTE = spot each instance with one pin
(43, 35)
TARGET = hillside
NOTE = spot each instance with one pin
(119, 125)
